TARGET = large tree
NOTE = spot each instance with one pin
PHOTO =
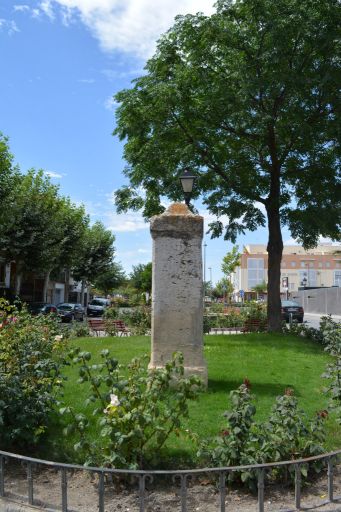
(95, 255)
(9, 179)
(249, 98)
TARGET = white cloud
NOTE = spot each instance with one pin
(321, 241)
(125, 222)
(52, 174)
(8, 26)
(21, 8)
(132, 26)
(111, 104)
(46, 7)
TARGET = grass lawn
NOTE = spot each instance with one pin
(271, 362)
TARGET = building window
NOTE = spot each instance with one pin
(328, 264)
(308, 277)
(255, 272)
(320, 264)
(293, 263)
(311, 264)
(302, 264)
(337, 277)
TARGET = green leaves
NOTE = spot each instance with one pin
(287, 434)
(31, 358)
(137, 409)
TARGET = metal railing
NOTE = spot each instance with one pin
(181, 477)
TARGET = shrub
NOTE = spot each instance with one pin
(138, 409)
(332, 339)
(138, 319)
(31, 356)
(79, 330)
(288, 434)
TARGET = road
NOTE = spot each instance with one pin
(313, 319)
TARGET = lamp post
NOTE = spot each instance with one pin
(211, 284)
(187, 182)
(205, 245)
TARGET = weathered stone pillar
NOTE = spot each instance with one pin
(177, 295)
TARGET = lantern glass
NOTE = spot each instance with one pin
(187, 181)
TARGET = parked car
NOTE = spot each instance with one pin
(97, 306)
(68, 311)
(41, 308)
(290, 307)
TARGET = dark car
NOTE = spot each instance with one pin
(41, 308)
(68, 311)
(97, 306)
(292, 309)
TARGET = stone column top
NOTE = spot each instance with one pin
(177, 221)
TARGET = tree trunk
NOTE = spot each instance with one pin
(82, 292)
(18, 279)
(46, 285)
(67, 285)
(275, 250)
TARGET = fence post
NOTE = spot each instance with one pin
(298, 486)
(64, 489)
(261, 490)
(330, 480)
(222, 490)
(2, 476)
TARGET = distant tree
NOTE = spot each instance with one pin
(110, 280)
(223, 288)
(95, 255)
(231, 261)
(9, 177)
(67, 229)
(30, 231)
(260, 288)
(249, 98)
(141, 277)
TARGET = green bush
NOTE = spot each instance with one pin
(138, 319)
(137, 409)
(31, 357)
(288, 434)
(79, 330)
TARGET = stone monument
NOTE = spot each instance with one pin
(177, 294)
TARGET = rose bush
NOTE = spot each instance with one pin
(31, 357)
(136, 409)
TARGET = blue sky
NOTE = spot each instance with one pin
(62, 61)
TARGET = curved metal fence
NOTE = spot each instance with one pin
(179, 477)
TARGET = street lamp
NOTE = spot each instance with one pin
(205, 245)
(187, 182)
(304, 282)
(211, 284)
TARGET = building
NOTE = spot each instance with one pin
(318, 267)
(61, 286)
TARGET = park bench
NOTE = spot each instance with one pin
(254, 325)
(121, 328)
(98, 325)
(225, 330)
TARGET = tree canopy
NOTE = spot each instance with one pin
(249, 99)
(141, 277)
(44, 232)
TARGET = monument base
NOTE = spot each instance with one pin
(198, 371)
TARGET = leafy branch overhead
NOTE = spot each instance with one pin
(248, 98)
(247, 93)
